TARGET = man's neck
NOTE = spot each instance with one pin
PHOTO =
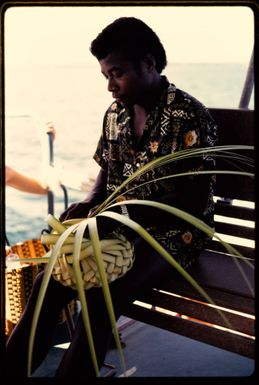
(151, 96)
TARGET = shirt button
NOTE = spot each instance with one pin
(138, 164)
(120, 198)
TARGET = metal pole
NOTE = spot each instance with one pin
(69, 319)
(249, 84)
(50, 193)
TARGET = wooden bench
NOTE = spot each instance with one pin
(175, 305)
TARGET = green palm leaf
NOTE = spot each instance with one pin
(43, 289)
(81, 291)
(223, 152)
(93, 232)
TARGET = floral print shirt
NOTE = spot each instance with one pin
(178, 122)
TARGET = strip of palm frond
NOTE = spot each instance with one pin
(222, 152)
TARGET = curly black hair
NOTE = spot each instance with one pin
(133, 38)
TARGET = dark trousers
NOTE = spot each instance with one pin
(148, 269)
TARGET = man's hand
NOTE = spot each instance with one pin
(50, 129)
(75, 210)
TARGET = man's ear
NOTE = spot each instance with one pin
(150, 62)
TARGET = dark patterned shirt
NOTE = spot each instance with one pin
(178, 122)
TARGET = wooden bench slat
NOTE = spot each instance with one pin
(248, 252)
(226, 186)
(221, 298)
(200, 332)
(235, 230)
(234, 211)
(200, 311)
(233, 123)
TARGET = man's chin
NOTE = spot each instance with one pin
(121, 102)
(124, 102)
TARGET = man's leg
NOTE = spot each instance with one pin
(148, 269)
(16, 354)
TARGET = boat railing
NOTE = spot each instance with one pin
(47, 150)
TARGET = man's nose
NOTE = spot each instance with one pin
(112, 86)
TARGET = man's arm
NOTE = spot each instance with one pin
(192, 200)
(95, 197)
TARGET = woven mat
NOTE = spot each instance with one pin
(19, 282)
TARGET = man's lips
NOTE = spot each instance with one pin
(118, 99)
(115, 95)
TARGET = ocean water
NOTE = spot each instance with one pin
(75, 99)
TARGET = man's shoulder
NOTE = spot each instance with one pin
(177, 96)
(185, 97)
(183, 100)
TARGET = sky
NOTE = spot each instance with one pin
(61, 35)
